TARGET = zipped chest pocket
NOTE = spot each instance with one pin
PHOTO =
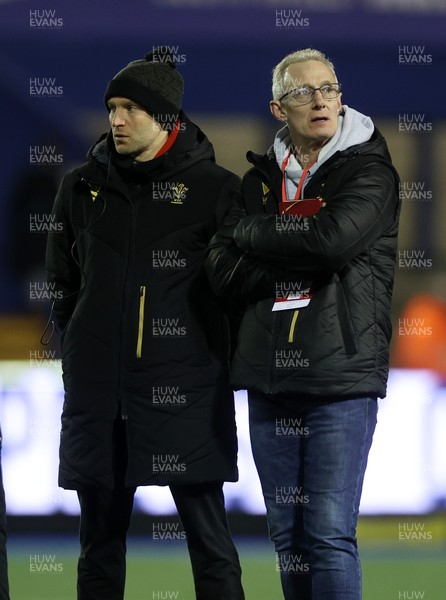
(142, 305)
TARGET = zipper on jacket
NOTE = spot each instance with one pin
(292, 327)
(124, 316)
(142, 300)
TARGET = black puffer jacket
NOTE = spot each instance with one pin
(143, 336)
(337, 346)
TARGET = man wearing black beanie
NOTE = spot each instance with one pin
(145, 342)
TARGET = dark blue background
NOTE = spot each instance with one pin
(229, 52)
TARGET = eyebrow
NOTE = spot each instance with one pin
(325, 82)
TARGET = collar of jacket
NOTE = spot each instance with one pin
(267, 165)
(105, 164)
(266, 169)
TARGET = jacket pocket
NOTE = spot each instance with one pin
(142, 302)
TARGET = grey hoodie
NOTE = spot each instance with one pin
(353, 128)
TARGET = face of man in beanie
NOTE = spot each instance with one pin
(134, 131)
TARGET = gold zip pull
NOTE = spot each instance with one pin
(142, 301)
(292, 327)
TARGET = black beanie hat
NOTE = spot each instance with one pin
(154, 83)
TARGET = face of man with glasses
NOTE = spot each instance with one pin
(310, 105)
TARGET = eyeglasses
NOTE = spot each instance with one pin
(305, 94)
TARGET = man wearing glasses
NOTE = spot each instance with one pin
(309, 253)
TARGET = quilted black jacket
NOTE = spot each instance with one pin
(338, 345)
(143, 336)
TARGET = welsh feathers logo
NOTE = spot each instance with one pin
(179, 193)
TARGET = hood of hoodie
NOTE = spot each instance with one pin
(190, 147)
(353, 128)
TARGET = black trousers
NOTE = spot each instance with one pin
(105, 518)
(4, 585)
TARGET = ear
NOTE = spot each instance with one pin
(339, 104)
(277, 110)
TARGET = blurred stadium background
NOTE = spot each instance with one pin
(389, 56)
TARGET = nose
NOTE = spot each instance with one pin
(318, 99)
(116, 117)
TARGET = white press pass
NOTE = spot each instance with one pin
(292, 300)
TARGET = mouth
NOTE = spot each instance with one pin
(320, 120)
(119, 138)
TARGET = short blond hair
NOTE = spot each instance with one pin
(279, 72)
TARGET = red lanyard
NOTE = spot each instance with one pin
(301, 181)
